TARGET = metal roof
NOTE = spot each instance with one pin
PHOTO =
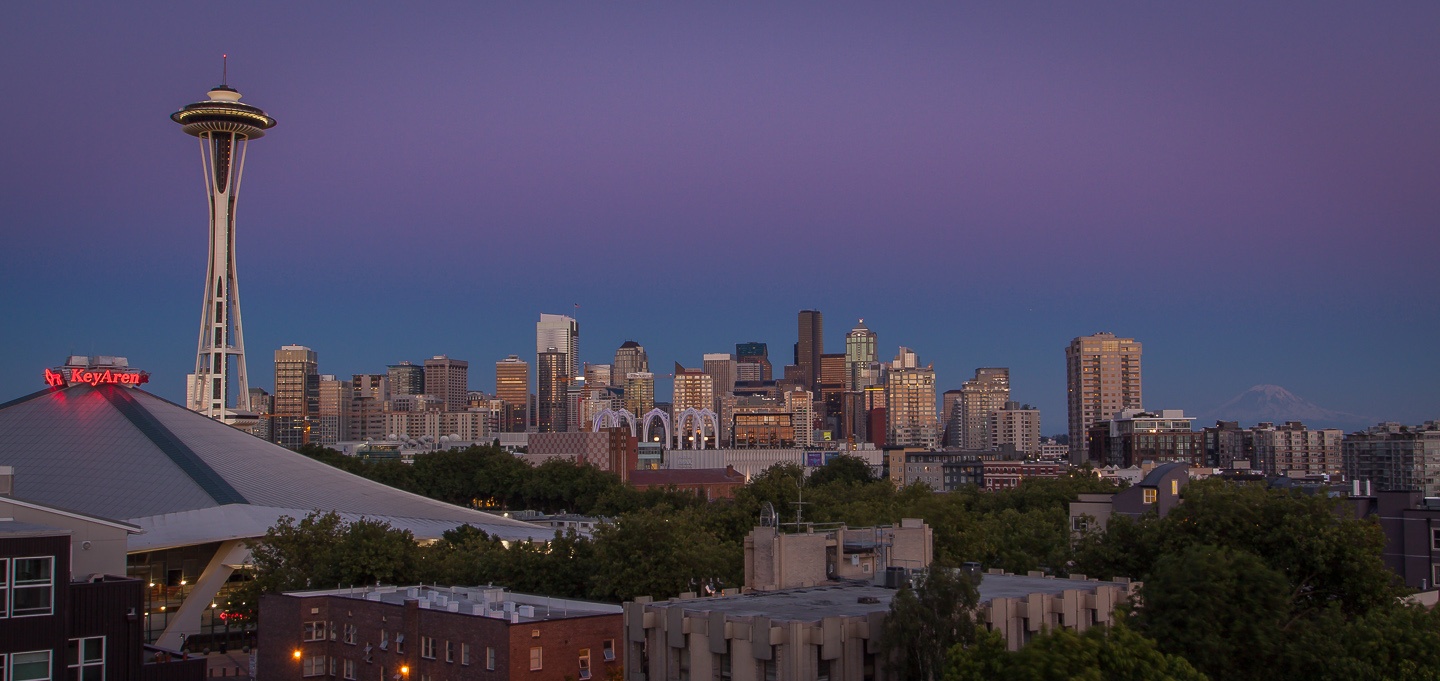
(185, 479)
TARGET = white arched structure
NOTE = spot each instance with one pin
(698, 417)
(664, 420)
(611, 418)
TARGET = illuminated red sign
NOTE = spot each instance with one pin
(57, 378)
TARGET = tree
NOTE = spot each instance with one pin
(925, 622)
(1099, 654)
(661, 553)
(842, 469)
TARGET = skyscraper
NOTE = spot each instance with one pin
(910, 403)
(860, 353)
(512, 386)
(597, 375)
(809, 348)
(721, 367)
(1102, 377)
(297, 395)
(757, 355)
(551, 414)
(639, 392)
(224, 127)
(693, 389)
(406, 379)
(562, 333)
(629, 359)
(448, 380)
(979, 396)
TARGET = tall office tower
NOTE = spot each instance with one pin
(860, 353)
(693, 389)
(406, 379)
(1015, 424)
(512, 386)
(562, 333)
(757, 354)
(370, 386)
(910, 407)
(747, 372)
(905, 359)
(639, 392)
(367, 416)
(629, 359)
(988, 391)
(952, 423)
(224, 127)
(448, 380)
(597, 375)
(332, 423)
(800, 404)
(263, 404)
(810, 347)
(721, 367)
(1102, 377)
(297, 395)
(551, 383)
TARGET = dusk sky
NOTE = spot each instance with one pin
(1250, 189)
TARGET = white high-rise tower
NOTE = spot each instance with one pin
(224, 125)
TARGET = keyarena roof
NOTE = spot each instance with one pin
(185, 479)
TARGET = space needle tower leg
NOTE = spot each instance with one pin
(224, 126)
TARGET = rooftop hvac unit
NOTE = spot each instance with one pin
(527, 610)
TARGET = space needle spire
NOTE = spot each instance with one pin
(224, 125)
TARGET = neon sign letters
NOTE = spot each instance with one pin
(94, 377)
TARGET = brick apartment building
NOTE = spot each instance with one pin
(435, 634)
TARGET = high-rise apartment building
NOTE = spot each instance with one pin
(860, 354)
(756, 355)
(910, 403)
(800, 404)
(551, 414)
(809, 348)
(693, 389)
(1102, 379)
(1393, 457)
(297, 395)
(1295, 451)
(332, 423)
(448, 380)
(629, 359)
(598, 376)
(263, 404)
(952, 421)
(721, 367)
(406, 379)
(979, 396)
(512, 387)
(639, 392)
(1017, 425)
(562, 333)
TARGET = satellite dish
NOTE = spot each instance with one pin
(767, 516)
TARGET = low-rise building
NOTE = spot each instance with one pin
(434, 633)
(783, 560)
(1411, 523)
(1134, 436)
(1158, 491)
(999, 474)
(710, 483)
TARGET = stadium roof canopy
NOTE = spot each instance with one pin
(184, 479)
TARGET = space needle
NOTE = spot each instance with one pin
(224, 125)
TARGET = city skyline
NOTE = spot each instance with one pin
(1246, 190)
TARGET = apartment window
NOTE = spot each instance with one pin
(490, 659)
(427, 647)
(314, 665)
(349, 670)
(822, 667)
(1435, 539)
(722, 666)
(537, 658)
(449, 651)
(32, 587)
(1149, 495)
(399, 643)
(85, 658)
(314, 631)
(584, 663)
(609, 650)
(1079, 523)
(1174, 488)
(350, 632)
(4, 599)
(384, 639)
(33, 666)
(769, 671)
(465, 653)
(332, 666)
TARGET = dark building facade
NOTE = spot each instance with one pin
(85, 628)
(809, 348)
(1411, 524)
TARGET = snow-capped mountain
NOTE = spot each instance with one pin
(1278, 405)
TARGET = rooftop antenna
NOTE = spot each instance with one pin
(224, 70)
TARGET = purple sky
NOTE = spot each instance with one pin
(1250, 189)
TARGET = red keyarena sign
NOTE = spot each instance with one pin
(57, 378)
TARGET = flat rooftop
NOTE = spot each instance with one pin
(478, 601)
(849, 599)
